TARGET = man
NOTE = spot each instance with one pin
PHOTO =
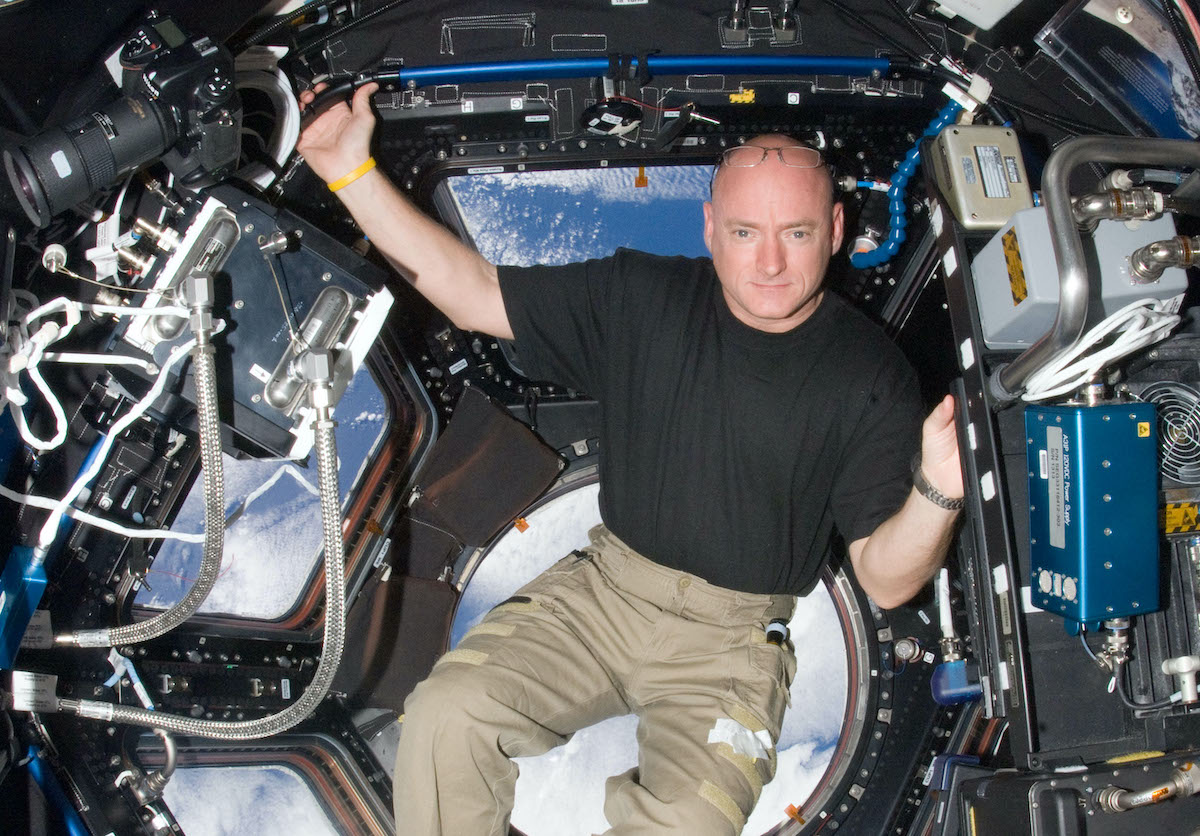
(746, 413)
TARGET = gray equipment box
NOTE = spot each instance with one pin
(1016, 276)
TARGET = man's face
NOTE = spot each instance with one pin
(771, 229)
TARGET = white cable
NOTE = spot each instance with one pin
(29, 351)
(50, 528)
(100, 360)
(1136, 326)
(60, 418)
(287, 131)
(48, 504)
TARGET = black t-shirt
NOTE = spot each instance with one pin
(726, 452)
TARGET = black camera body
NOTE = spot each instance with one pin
(180, 106)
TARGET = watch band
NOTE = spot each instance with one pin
(930, 492)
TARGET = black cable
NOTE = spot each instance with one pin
(933, 71)
(271, 28)
(916, 30)
(1181, 36)
(1135, 706)
(1064, 123)
(856, 19)
(303, 49)
(1180, 206)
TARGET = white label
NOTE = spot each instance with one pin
(486, 169)
(950, 262)
(935, 217)
(458, 366)
(285, 688)
(468, 106)
(630, 2)
(921, 614)
(971, 436)
(1000, 579)
(538, 117)
(1043, 464)
(969, 171)
(1010, 166)
(1056, 482)
(516, 103)
(1027, 604)
(992, 170)
(1002, 675)
(987, 486)
(670, 114)
(928, 657)
(793, 98)
(967, 352)
(259, 373)
(38, 635)
(60, 164)
(34, 691)
(611, 118)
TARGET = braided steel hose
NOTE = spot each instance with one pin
(335, 627)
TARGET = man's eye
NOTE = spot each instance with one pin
(741, 233)
(799, 233)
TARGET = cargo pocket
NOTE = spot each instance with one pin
(763, 686)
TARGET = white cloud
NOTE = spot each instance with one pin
(259, 800)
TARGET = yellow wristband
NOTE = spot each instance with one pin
(353, 175)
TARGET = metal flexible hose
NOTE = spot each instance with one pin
(204, 368)
(335, 629)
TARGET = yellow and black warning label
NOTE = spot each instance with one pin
(1180, 517)
(742, 97)
(1143, 429)
(1016, 270)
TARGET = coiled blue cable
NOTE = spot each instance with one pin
(897, 220)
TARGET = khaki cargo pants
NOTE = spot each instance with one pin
(602, 633)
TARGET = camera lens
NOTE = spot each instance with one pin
(61, 167)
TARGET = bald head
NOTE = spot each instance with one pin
(823, 181)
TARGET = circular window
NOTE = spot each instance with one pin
(820, 727)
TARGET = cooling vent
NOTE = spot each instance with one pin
(1178, 430)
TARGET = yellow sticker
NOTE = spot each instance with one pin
(744, 97)
(1016, 270)
(1178, 517)
(1143, 429)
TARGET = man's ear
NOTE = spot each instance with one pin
(838, 227)
(708, 225)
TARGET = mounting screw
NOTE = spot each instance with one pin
(1124, 14)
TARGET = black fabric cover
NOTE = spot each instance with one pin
(483, 471)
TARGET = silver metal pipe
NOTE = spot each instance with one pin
(1182, 782)
(1136, 203)
(1147, 263)
(1006, 384)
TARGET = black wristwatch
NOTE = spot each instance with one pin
(930, 492)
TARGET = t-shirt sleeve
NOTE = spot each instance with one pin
(558, 317)
(874, 478)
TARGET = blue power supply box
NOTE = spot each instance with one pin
(1093, 510)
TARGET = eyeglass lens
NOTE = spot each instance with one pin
(796, 156)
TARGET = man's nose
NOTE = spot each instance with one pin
(771, 257)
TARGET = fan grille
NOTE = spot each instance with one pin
(1178, 429)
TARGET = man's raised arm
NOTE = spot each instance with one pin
(447, 272)
(907, 549)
